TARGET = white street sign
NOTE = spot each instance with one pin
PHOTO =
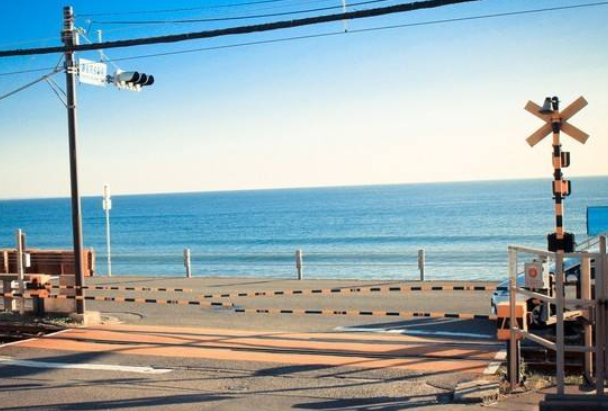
(107, 198)
(537, 276)
(91, 72)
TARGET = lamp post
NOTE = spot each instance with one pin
(107, 206)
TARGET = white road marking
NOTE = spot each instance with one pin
(101, 367)
(414, 332)
(33, 338)
(494, 365)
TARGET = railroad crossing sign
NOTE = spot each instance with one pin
(555, 122)
(557, 116)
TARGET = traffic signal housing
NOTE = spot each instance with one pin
(132, 80)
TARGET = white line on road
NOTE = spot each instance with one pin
(101, 367)
(415, 332)
(33, 338)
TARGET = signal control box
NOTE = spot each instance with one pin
(536, 275)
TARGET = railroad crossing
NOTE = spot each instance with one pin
(199, 350)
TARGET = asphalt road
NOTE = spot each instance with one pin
(215, 359)
(474, 302)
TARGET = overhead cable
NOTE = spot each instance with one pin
(213, 19)
(256, 28)
(328, 34)
(355, 31)
(217, 6)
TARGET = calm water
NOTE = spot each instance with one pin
(354, 232)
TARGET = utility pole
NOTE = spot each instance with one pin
(69, 36)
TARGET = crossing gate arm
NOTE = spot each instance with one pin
(138, 300)
(297, 292)
(330, 312)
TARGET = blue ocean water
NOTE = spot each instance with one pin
(345, 232)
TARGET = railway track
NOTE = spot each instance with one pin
(10, 332)
(537, 357)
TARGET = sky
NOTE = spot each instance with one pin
(439, 102)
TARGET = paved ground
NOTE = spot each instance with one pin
(197, 358)
(476, 302)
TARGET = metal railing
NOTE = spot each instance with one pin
(589, 243)
(593, 309)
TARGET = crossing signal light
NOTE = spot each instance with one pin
(133, 80)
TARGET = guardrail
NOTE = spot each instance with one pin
(593, 310)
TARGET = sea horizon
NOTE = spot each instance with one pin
(365, 232)
(338, 186)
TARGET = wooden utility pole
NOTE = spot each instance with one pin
(69, 37)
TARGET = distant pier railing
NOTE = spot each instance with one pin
(409, 264)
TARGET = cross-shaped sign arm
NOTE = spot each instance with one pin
(566, 127)
(538, 135)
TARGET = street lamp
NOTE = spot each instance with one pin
(107, 206)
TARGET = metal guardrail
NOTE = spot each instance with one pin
(589, 243)
(593, 309)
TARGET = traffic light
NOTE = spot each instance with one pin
(132, 80)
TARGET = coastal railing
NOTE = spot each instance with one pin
(409, 264)
(286, 263)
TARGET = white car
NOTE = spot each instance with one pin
(501, 294)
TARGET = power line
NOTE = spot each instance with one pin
(256, 28)
(365, 30)
(281, 6)
(12, 73)
(31, 83)
(42, 39)
(311, 36)
(212, 10)
(218, 6)
(207, 20)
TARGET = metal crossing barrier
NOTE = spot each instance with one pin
(274, 293)
(243, 310)
(406, 314)
(119, 299)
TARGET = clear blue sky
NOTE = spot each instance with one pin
(432, 103)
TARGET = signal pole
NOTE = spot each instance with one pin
(561, 187)
(69, 37)
(556, 121)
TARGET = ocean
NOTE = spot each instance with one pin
(366, 232)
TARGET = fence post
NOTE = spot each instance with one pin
(187, 263)
(513, 360)
(20, 270)
(559, 326)
(6, 284)
(584, 285)
(601, 271)
(421, 263)
(299, 265)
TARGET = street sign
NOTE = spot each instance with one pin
(107, 199)
(597, 220)
(91, 72)
(537, 277)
